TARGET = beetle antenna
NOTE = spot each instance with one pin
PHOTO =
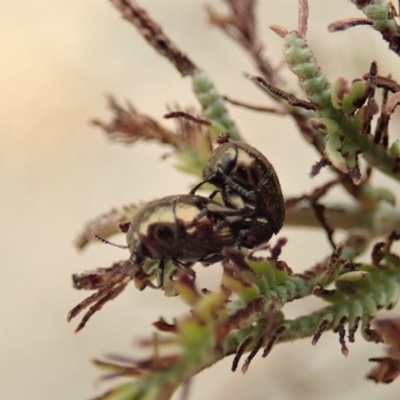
(112, 244)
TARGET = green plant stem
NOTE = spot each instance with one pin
(161, 385)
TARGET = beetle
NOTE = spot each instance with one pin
(249, 184)
(183, 228)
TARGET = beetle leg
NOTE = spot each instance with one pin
(159, 277)
(215, 208)
(189, 271)
(181, 264)
(211, 258)
(185, 267)
(213, 194)
(192, 273)
(150, 285)
(248, 194)
(160, 274)
(220, 209)
(193, 191)
(229, 220)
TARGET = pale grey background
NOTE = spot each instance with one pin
(59, 58)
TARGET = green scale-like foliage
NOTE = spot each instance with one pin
(340, 127)
(213, 330)
(213, 105)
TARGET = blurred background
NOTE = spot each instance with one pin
(59, 59)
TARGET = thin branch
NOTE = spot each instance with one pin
(347, 23)
(253, 107)
(154, 35)
(279, 30)
(303, 18)
(381, 132)
(189, 117)
(384, 16)
(129, 126)
(385, 82)
(290, 98)
(371, 107)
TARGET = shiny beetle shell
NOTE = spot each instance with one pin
(179, 228)
(247, 182)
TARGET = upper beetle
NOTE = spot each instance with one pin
(248, 183)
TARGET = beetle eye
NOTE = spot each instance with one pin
(227, 163)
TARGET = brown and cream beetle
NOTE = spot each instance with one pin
(249, 184)
(181, 229)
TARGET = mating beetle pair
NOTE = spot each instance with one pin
(191, 228)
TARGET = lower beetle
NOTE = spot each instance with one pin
(249, 184)
(181, 228)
